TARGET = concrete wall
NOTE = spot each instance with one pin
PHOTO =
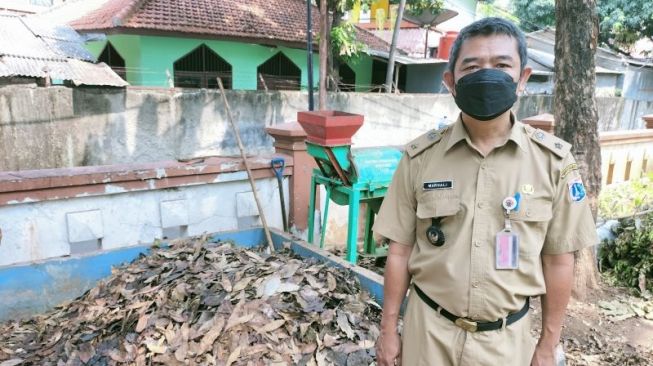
(75, 213)
(63, 127)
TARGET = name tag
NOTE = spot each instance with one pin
(444, 184)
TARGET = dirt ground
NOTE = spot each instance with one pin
(592, 335)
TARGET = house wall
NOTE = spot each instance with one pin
(425, 78)
(607, 84)
(129, 48)
(363, 69)
(638, 83)
(150, 59)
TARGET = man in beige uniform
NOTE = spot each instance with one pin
(481, 216)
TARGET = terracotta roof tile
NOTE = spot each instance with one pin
(371, 40)
(280, 20)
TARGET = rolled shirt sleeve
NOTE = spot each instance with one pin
(572, 226)
(396, 218)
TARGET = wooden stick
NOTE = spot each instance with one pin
(249, 172)
(260, 76)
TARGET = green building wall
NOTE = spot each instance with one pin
(149, 59)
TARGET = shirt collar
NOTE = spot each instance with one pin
(459, 133)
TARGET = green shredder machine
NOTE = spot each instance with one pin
(349, 176)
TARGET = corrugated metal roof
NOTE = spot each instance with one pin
(69, 49)
(17, 40)
(407, 60)
(35, 48)
(77, 71)
(58, 31)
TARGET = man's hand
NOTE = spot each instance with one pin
(395, 285)
(388, 348)
(558, 276)
(544, 355)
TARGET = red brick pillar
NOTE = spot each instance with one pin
(289, 140)
(544, 122)
(648, 119)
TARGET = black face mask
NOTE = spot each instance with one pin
(486, 94)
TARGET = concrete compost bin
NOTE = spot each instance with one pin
(29, 289)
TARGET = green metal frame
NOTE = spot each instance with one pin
(355, 195)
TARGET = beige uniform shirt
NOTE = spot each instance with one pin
(442, 176)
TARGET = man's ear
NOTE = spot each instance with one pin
(449, 82)
(523, 79)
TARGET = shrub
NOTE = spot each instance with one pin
(626, 199)
(629, 258)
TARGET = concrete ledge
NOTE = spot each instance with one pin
(626, 137)
(54, 184)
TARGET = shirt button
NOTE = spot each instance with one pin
(477, 243)
(528, 213)
(480, 205)
(475, 284)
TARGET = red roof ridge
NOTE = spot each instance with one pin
(370, 34)
(126, 12)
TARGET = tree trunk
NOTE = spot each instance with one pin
(324, 54)
(576, 115)
(334, 60)
(393, 47)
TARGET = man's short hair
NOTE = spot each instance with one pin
(488, 27)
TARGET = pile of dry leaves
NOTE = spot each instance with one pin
(198, 303)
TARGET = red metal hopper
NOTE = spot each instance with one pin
(330, 128)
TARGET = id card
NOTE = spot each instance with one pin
(507, 250)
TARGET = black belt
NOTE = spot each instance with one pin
(470, 325)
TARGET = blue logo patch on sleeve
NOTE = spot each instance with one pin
(577, 190)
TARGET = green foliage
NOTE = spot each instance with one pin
(344, 42)
(629, 258)
(487, 8)
(621, 22)
(626, 199)
(534, 14)
(416, 7)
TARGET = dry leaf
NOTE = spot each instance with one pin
(12, 362)
(192, 304)
(142, 323)
(240, 320)
(207, 341)
(343, 323)
(86, 352)
(233, 356)
(157, 346)
(271, 326)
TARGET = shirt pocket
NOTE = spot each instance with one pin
(443, 208)
(531, 223)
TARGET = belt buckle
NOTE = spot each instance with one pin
(466, 324)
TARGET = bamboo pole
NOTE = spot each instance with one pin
(249, 172)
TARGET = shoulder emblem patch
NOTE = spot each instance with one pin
(556, 145)
(576, 190)
(424, 141)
